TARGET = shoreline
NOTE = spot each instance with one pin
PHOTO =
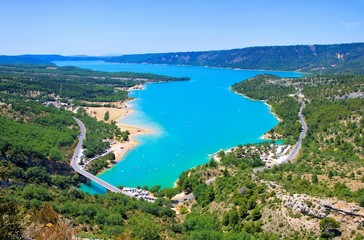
(120, 149)
(207, 66)
(123, 110)
(263, 137)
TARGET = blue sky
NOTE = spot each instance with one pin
(99, 27)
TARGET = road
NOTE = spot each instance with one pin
(77, 158)
(182, 198)
(185, 197)
(294, 152)
(297, 147)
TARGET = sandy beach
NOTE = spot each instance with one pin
(117, 114)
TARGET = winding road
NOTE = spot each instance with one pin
(76, 159)
(297, 147)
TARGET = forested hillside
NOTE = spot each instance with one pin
(294, 200)
(49, 82)
(42, 59)
(319, 194)
(333, 149)
(38, 198)
(336, 58)
(328, 59)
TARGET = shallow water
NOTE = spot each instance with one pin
(193, 119)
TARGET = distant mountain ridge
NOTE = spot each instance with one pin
(334, 58)
(330, 59)
(42, 59)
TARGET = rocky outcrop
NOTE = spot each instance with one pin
(302, 204)
(319, 208)
(346, 209)
(303, 213)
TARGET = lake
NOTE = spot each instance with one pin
(192, 120)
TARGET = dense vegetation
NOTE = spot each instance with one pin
(39, 198)
(31, 133)
(333, 150)
(329, 59)
(22, 60)
(48, 82)
(49, 198)
(100, 163)
(337, 58)
(36, 143)
(42, 59)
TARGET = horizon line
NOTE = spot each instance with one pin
(170, 52)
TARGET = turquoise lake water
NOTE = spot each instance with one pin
(192, 120)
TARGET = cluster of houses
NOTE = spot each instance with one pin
(278, 154)
(57, 104)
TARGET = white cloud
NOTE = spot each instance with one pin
(352, 24)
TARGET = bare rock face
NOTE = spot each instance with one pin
(319, 208)
(343, 208)
(305, 205)
(349, 214)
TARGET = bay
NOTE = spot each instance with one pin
(192, 120)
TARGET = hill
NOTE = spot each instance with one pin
(38, 136)
(335, 58)
(42, 59)
(319, 194)
(22, 60)
(346, 58)
(38, 194)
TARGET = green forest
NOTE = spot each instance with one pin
(327, 59)
(46, 82)
(317, 59)
(39, 196)
(334, 146)
(37, 141)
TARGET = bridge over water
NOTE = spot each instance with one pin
(76, 159)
